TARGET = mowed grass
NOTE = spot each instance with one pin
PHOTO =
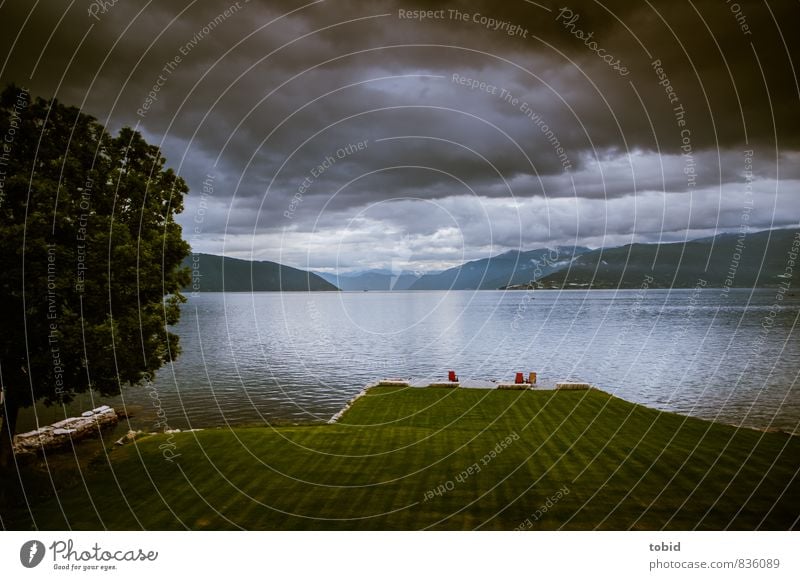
(401, 458)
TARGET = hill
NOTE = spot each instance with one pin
(212, 273)
(513, 267)
(371, 280)
(753, 260)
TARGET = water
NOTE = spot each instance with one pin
(298, 357)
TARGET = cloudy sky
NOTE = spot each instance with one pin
(341, 134)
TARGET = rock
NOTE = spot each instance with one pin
(394, 383)
(129, 436)
(65, 431)
(28, 434)
(573, 386)
(349, 404)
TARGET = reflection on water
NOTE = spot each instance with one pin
(298, 357)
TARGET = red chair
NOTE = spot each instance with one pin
(451, 376)
(519, 379)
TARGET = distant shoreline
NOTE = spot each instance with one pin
(410, 291)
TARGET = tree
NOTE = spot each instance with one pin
(90, 257)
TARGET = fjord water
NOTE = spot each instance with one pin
(299, 357)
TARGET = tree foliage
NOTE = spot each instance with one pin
(90, 254)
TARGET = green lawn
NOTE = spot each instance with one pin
(584, 459)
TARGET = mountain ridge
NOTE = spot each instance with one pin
(748, 260)
(506, 269)
(757, 259)
(212, 273)
(377, 280)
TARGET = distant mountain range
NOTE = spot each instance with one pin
(372, 280)
(217, 274)
(511, 268)
(756, 259)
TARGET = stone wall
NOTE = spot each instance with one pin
(63, 432)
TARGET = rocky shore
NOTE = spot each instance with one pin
(64, 432)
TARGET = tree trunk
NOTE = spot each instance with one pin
(9, 429)
(8, 469)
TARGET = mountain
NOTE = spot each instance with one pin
(371, 280)
(723, 260)
(246, 276)
(511, 268)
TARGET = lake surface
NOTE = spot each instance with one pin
(299, 357)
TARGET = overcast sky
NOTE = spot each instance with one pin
(355, 134)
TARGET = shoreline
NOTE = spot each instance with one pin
(141, 420)
(404, 458)
(539, 389)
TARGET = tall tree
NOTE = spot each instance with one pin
(90, 256)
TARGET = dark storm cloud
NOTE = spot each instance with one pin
(497, 101)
